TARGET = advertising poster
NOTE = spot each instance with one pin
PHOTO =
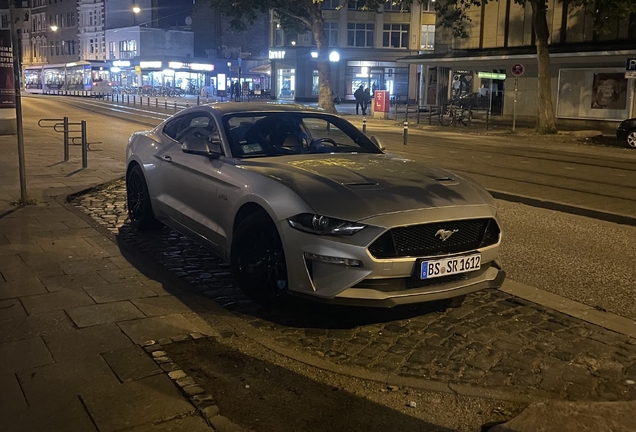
(609, 91)
(7, 83)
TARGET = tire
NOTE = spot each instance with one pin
(138, 200)
(258, 260)
(630, 139)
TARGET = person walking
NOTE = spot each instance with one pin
(365, 100)
(359, 96)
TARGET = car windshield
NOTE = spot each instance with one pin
(293, 133)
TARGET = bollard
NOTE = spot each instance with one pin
(406, 132)
(156, 102)
(198, 103)
(364, 125)
(117, 97)
(65, 139)
(134, 99)
(175, 106)
(148, 101)
(187, 104)
(128, 99)
(84, 146)
(165, 102)
(206, 99)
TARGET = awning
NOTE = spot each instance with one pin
(265, 68)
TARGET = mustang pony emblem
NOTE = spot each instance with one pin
(444, 234)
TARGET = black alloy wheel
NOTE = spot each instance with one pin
(138, 201)
(258, 260)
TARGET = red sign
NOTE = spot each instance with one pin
(381, 101)
(518, 70)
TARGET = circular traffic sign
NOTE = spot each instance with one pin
(518, 70)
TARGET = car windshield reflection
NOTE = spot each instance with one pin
(279, 134)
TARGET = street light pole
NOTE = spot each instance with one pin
(17, 73)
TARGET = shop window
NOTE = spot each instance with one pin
(427, 38)
(360, 34)
(315, 84)
(395, 36)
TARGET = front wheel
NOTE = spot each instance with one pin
(258, 260)
(631, 139)
(138, 201)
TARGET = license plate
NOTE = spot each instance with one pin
(450, 266)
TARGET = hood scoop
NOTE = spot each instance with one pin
(362, 183)
(447, 181)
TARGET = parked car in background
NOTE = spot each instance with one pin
(302, 202)
(626, 131)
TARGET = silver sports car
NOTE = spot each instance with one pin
(301, 202)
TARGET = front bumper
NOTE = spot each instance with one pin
(371, 281)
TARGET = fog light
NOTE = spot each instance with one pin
(333, 260)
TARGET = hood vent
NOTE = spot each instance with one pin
(361, 184)
(444, 179)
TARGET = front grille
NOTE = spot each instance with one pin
(421, 240)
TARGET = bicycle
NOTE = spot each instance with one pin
(454, 115)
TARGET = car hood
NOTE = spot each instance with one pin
(358, 186)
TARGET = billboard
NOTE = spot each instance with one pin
(7, 82)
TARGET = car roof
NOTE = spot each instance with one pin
(246, 107)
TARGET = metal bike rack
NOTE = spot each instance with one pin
(67, 128)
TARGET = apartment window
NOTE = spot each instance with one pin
(360, 34)
(356, 4)
(127, 49)
(330, 4)
(397, 7)
(428, 5)
(111, 50)
(395, 36)
(90, 18)
(57, 48)
(331, 32)
(427, 40)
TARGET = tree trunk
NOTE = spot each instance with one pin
(546, 123)
(325, 97)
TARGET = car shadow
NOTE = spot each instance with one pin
(166, 253)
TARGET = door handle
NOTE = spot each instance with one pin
(167, 158)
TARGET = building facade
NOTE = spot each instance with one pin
(365, 49)
(588, 80)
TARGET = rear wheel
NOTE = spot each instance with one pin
(631, 139)
(258, 260)
(138, 201)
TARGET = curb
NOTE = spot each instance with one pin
(195, 394)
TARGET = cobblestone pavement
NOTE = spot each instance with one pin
(493, 340)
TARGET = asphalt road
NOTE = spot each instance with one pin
(581, 258)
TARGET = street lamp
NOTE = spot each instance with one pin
(136, 9)
(53, 28)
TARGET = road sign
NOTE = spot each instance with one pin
(630, 65)
(491, 75)
(518, 70)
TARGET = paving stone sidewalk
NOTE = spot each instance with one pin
(73, 312)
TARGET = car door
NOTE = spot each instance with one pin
(190, 181)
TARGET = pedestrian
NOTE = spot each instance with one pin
(359, 96)
(365, 101)
(231, 90)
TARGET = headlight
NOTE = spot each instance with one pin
(323, 225)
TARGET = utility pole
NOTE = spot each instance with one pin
(17, 74)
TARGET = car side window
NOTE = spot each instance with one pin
(171, 129)
(198, 124)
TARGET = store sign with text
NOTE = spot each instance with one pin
(7, 82)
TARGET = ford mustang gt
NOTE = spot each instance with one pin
(302, 202)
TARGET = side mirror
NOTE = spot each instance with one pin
(202, 146)
(375, 140)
